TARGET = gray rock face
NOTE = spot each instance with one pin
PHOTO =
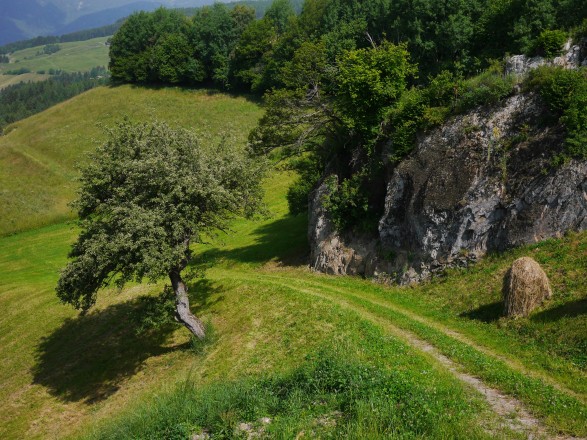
(481, 182)
(573, 57)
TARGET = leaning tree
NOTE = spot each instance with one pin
(148, 194)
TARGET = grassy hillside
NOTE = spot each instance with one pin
(78, 56)
(61, 372)
(39, 155)
(8, 80)
(318, 355)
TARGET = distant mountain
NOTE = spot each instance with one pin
(23, 19)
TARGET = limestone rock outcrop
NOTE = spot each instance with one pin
(482, 182)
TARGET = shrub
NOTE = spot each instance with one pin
(298, 194)
(51, 48)
(348, 202)
(550, 43)
(20, 71)
(565, 93)
(488, 88)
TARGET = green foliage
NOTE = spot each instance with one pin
(19, 71)
(347, 203)
(145, 195)
(405, 119)
(368, 81)
(51, 48)
(155, 312)
(488, 88)
(251, 53)
(580, 31)
(279, 14)
(309, 170)
(565, 92)
(167, 47)
(550, 43)
(446, 94)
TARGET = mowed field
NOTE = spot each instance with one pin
(319, 356)
(8, 80)
(77, 56)
(39, 155)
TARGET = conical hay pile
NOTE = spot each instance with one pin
(525, 287)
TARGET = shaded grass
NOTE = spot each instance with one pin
(39, 155)
(77, 56)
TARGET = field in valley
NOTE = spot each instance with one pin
(77, 56)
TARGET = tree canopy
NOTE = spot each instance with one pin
(350, 83)
(147, 195)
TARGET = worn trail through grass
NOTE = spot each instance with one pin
(459, 336)
(530, 416)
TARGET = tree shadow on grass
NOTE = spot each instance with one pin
(283, 240)
(204, 294)
(89, 357)
(486, 313)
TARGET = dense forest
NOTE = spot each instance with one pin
(21, 100)
(348, 84)
(249, 54)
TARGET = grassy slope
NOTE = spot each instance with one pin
(38, 156)
(8, 80)
(64, 372)
(77, 56)
(60, 372)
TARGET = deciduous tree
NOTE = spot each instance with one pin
(147, 195)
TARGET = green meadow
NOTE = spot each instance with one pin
(292, 353)
(77, 56)
(39, 155)
(8, 80)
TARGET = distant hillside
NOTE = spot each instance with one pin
(31, 18)
(39, 155)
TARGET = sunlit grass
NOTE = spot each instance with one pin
(8, 80)
(62, 374)
(39, 156)
(77, 56)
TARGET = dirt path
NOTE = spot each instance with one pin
(512, 412)
(449, 332)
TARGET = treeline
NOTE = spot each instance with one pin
(260, 6)
(348, 84)
(22, 100)
(83, 35)
(230, 48)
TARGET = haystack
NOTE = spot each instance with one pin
(525, 287)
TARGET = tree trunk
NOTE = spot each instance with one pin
(182, 306)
